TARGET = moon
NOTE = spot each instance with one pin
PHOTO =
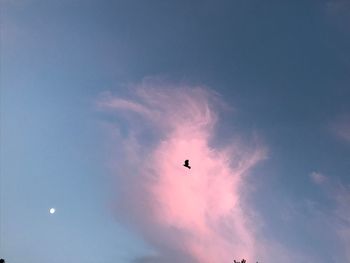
(52, 210)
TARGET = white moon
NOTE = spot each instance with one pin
(52, 210)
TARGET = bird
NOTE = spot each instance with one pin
(186, 164)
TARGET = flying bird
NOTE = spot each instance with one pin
(186, 164)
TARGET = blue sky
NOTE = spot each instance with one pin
(69, 74)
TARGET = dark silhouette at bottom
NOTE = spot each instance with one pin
(2, 260)
(242, 261)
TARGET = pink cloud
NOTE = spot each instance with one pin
(336, 218)
(341, 127)
(317, 177)
(195, 215)
(338, 12)
(341, 194)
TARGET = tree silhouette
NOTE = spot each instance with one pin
(242, 261)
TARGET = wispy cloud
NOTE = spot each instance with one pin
(341, 194)
(195, 215)
(337, 7)
(338, 215)
(317, 177)
(341, 127)
(201, 215)
(338, 13)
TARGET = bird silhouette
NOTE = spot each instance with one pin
(186, 164)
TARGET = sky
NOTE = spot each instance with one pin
(102, 101)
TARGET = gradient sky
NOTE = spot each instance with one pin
(101, 101)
